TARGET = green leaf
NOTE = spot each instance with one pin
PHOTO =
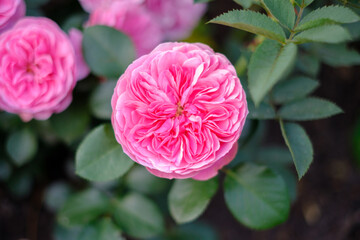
(253, 22)
(303, 3)
(327, 15)
(308, 64)
(101, 230)
(82, 208)
(324, 34)
(294, 88)
(282, 10)
(138, 216)
(100, 100)
(299, 145)
(337, 55)
(309, 109)
(273, 155)
(256, 196)
(10, 122)
(71, 124)
(100, 158)
(5, 170)
(64, 233)
(278, 158)
(107, 51)
(74, 21)
(196, 231)
(268, 64)
(354, 29)
(35, 3)
(244, 3)
(21, 146)
(140, 180)
(263, 111)
(289, 179)
(189, 198)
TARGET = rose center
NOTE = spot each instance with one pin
(179, 109)
(29, 69)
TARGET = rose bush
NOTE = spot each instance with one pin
(10, 12)
(37, 69)
(179, 111)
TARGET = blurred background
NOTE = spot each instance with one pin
(327, 204)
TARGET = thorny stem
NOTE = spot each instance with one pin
(296, 23)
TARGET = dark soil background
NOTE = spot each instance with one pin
(328, 202)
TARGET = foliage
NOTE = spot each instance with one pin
(114, 197)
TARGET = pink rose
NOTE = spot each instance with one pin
(179, 111)
(176, 17)
(91, 5)
(10, 12)
(82, 69)
(131, 18)
(37, 69)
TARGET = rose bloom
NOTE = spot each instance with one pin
(177, 18)
(10, 12)
(179, 111)
(131, 18)
(37, 69)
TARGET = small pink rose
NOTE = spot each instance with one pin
(90, 5)
(133, 19)
(10, 12)
(82, 69)
(179, 111)
(177, 18)
(37, 69)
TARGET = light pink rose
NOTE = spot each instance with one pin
(131, 18)
(176, 17)
(37, 69)
(91, 5)
(179, 111)
(82, 69)
(10, 12)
